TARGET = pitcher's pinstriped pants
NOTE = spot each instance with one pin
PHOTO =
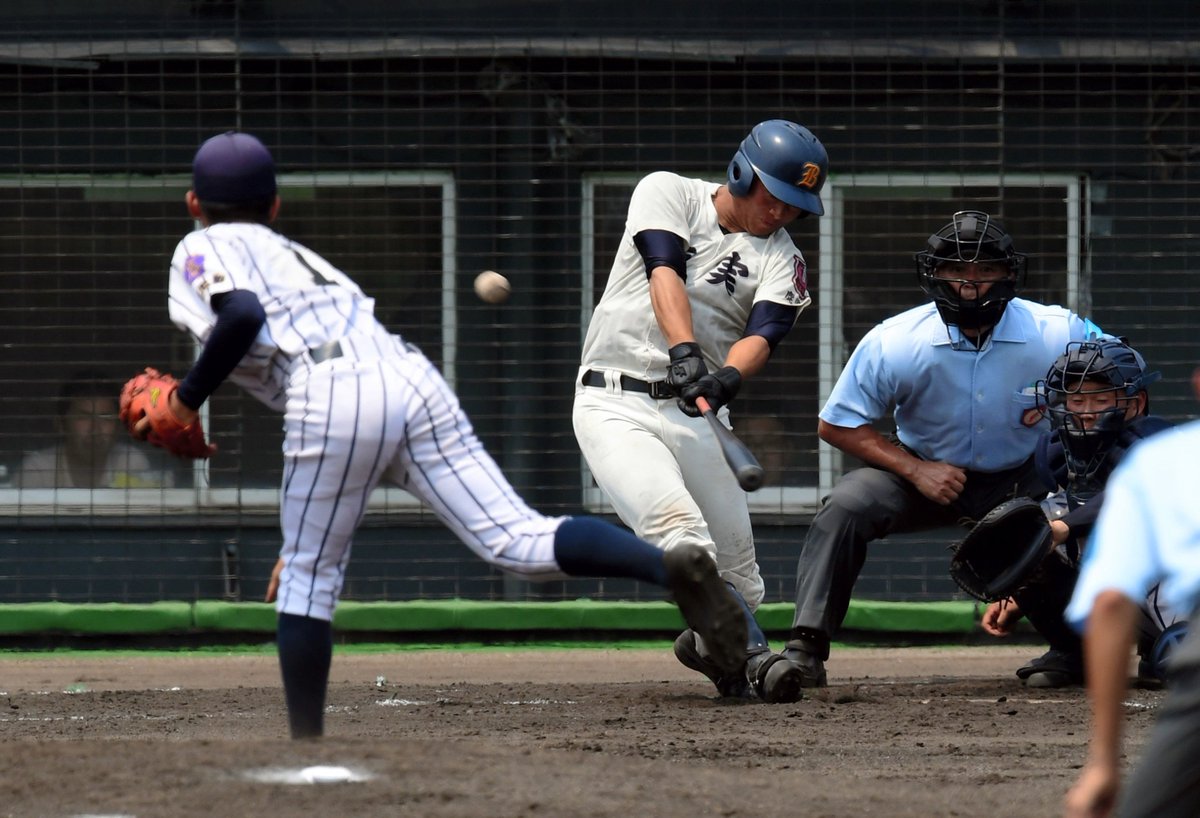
(351, 424)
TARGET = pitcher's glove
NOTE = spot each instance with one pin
(148, 396)
(1004, 550)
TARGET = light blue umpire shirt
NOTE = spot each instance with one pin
(1148, 530)
(954, 403)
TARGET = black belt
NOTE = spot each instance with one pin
(655, 389)
(325, 352)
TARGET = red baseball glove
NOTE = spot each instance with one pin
(148, 396)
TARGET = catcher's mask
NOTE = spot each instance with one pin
(1087, 394)
(971, 236)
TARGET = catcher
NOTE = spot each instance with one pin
(1023, 557)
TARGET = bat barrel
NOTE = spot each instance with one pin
(741, 460)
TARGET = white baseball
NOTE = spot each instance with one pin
(492, 287)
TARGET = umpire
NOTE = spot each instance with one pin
(959, 373)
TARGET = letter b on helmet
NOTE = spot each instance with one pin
(790, 162)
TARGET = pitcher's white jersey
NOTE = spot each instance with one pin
(308, 302)
(727, 273)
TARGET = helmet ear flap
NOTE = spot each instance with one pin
(741, 175)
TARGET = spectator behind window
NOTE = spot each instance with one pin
(91, 452)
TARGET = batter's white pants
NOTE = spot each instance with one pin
(665, 476)
(350, 424)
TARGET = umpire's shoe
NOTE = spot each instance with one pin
(775, 679)
(804, 655)
(708, 605)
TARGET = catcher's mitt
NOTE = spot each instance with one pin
(147, 395)
(1003, 551)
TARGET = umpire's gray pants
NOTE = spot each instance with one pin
(1165, 783)
(869, 504)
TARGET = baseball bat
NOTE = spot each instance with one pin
(741, 460)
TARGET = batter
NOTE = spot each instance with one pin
(706, 282)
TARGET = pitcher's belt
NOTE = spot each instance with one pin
(655, 389)
(325, 352)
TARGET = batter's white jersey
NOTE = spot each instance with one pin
(360, 407)
(727, 273)
(662, 470)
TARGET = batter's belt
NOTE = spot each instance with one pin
(655, 389)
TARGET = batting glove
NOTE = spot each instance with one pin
(686, 367)
(718, 388)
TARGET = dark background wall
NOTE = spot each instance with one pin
(520, 101)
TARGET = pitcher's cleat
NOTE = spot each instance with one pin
(708, 605)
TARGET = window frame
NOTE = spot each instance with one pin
(804, 500)
(200, 498)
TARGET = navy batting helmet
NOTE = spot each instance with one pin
(971, 236)
(1104, 364)
(789, 161)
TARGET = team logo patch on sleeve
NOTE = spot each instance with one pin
(800, 276)
(193, 268)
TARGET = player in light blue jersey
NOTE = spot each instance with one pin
(1148, 532)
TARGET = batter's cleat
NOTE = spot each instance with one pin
(1054, 668)
(708, 606)
(729, 685)
(775, 679)
(803, 655)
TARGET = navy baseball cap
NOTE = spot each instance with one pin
(233, 168)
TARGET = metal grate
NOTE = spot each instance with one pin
(418, 147)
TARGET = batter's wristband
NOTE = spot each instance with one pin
(731, 381)
(688, 349)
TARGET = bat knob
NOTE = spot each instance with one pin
(750, 478)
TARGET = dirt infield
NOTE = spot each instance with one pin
(899, 732)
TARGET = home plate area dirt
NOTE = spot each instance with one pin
(899, 732)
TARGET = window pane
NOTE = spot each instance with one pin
(885, 228)
(82, 302)
(776, 411)
(882, 227)
(883, 232)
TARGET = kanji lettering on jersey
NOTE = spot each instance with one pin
(728, 272)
